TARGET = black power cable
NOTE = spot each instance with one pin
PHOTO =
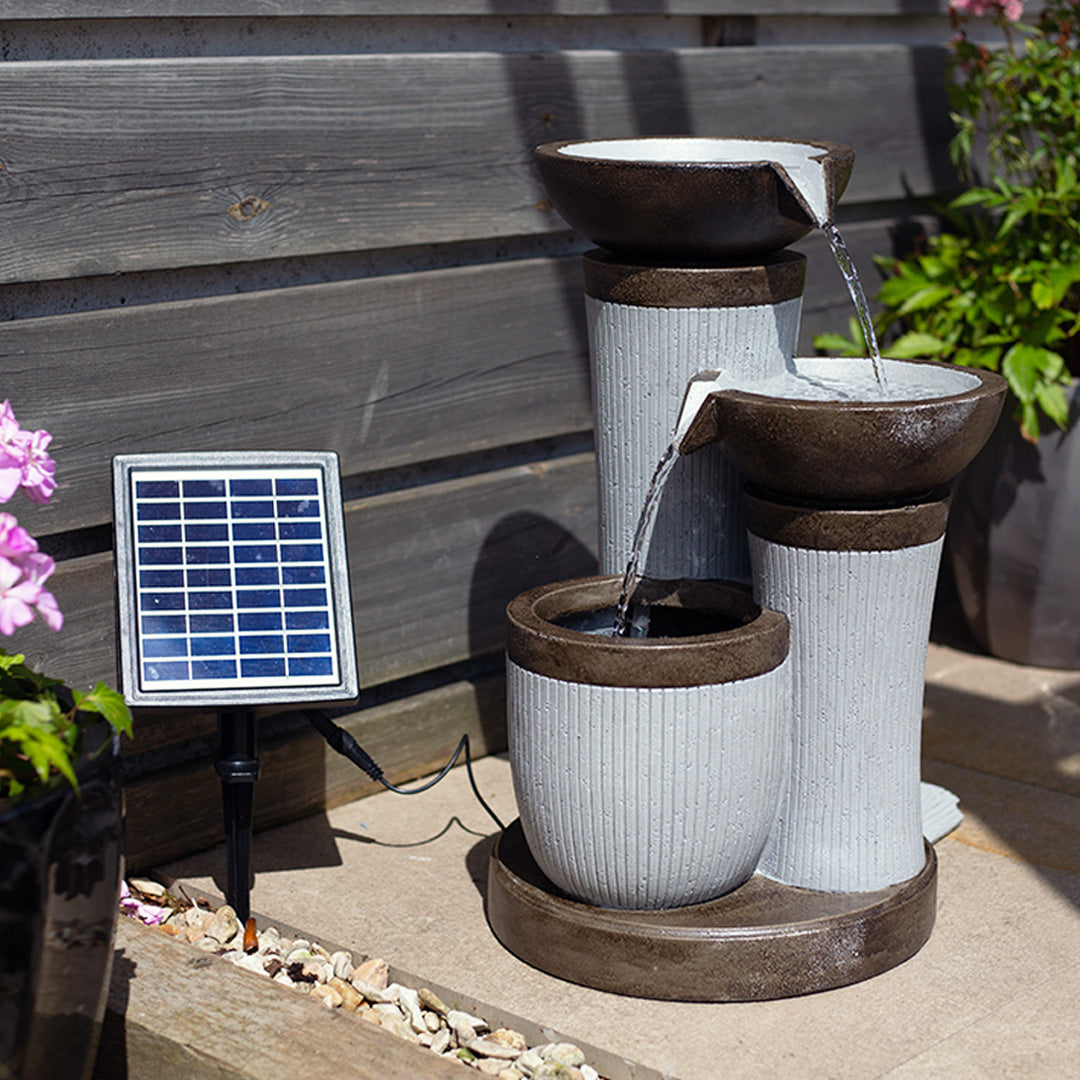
(341, 741)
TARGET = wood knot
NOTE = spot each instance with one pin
(248, 208)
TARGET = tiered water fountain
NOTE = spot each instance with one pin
(709, 811)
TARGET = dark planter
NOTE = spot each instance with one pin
(1014, 541)
(60, 867)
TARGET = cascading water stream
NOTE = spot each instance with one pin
(858, 298)
(640, 546)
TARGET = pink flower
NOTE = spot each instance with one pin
(1011, 9)
(38, 568)
(15, 541)
(150, 914)
(39, 481)
(16, 597)
(24, 462)
(24, 453)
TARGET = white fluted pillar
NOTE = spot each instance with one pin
(850, 817)
(650, 331)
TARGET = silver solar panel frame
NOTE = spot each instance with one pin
(346, 689)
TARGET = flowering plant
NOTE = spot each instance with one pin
(41, 721)
(999, 287)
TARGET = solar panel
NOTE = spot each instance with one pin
(232, 579)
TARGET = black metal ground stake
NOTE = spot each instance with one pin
(238, 766)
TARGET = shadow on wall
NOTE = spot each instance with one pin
(522, 551)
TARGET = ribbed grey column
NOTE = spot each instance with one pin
(651, 330)
(643, 798)
(850, 818)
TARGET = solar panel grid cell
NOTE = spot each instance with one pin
(241, 558)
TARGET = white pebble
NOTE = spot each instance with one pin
(343, 965)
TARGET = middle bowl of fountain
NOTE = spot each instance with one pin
(821, 433)
(694, 200)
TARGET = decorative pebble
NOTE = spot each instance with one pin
(370, 993)
(343, 965)
(375, 973)
(489, 1048)
(409, 1000)
(324, 970)
(223, 925)
(513, 1039)
(418, 1016)
(563, 1054)
(530, 1061)
(270, 938)
(461, 1025)
(432, 1001)
(350, 997)
(148, 887)
(327, 995)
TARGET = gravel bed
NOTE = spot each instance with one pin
(412, 1013)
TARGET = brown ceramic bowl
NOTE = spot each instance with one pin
(686, 201)
(856, 452)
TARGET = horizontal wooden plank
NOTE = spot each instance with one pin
(175, 812)
(180, 162)
(385, 371)
(431, 570)
(99, 9)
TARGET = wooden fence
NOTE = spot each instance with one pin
(314, 224)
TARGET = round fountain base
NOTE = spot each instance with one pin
(764, 940)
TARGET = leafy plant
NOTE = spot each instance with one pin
(999, 287)
(42, 722)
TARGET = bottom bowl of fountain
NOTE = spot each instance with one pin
(647, 770)
(822, 433)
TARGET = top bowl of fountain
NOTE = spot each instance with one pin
(694, 200)
(824, 433)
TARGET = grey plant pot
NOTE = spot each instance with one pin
(1014, 544)
(60, 867)
(647, 771)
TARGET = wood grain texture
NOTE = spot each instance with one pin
(98, 9)
(168, 163)
(233, 1025)
(175, 812)
(386, 371)
(431, 570)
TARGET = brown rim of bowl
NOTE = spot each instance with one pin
(538, 644)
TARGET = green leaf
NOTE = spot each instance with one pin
(836, 344)
(915, 345)
(42, 748)
(109, 704)
(1024, 366)
(924, 298)
(1052, 400)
